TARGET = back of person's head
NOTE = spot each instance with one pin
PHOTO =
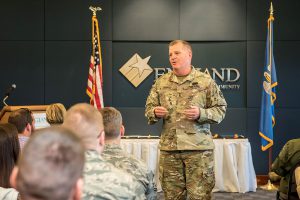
(86, 121)
(112, 120)
(21, 118)
(9, 152)
(55, 113)
(50, 166)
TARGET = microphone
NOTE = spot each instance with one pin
(8, 91)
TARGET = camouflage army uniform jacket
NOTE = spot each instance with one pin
(288, 157)
(196, 89)
(115, 155)
(103, 181)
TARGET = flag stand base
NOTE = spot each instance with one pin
(269, 186)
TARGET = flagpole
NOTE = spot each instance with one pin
(94, 10)
(270, 149)
(269, 185)
(270, 159)
(95, 80)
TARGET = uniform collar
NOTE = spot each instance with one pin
(112, 146)
(189, 77)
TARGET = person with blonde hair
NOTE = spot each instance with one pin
(55, 113)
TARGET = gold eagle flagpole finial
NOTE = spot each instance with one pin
(271, 9)
(94, 9)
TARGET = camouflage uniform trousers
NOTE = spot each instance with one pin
(188, 173)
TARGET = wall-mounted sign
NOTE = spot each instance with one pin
(226, 77)
(136, 70)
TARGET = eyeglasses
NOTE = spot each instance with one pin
(101, 132)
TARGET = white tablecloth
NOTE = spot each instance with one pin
(234, 169)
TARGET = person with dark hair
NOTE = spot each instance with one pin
(9, 153)
(113, 153)
(24, 121)
(50, 166)
(55, 113)
(102, 179)
(187, 101)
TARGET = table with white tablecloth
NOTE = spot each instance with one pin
(234, 169)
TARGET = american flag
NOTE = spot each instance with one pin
(95, 81)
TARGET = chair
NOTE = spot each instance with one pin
(294, 183)
(297, 177)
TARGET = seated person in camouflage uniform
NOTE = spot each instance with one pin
(50, 166)
(113, 153)
(101, 179)
(283, 165)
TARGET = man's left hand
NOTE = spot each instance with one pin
(192, 113)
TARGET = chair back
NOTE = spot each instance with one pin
(294, 182)
(297, 179)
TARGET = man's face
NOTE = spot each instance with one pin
(179, 56)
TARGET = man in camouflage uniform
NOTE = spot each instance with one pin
(113, 153)
(101, 179)
(188, 101)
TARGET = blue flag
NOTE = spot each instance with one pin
(267, 114)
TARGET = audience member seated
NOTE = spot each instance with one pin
(24, 121)
(102, 180)
(55, 113)
(9, 153)
(283, 166)
(113, 153)
(50, 166)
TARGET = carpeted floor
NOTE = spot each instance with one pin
(258, 195)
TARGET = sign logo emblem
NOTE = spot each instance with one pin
(136, 69)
